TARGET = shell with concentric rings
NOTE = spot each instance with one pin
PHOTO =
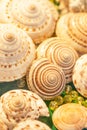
(17, 51)
(36, 17)
(18, 105)
(46, 79)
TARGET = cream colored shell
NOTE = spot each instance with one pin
(46, 79)
(30, 124)
(56, 50)
(18, 105)
(3, 126)
(78, 5)
(80, 75)
(70, 116)
(73, 27)
(17, 51)
(36, 17)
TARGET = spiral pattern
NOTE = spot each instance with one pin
(56, 50)
(70, 116)
(17, 52)
(35, 17)
(18, 105)
(80, 75)
(73, 27)
(31, 124)
(46, 79)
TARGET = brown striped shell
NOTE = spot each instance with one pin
(80, 75)
(17, 51)
(56, 50)
(70, 116)
(36, 17)
(73, 27)
(46, 79)
(3, 126)
(18, 105)
(30, 124)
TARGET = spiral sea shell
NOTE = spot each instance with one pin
(56, 50)
(18, 105)
(73, 27)
(30, 124)
(70, 116)
(46, 79)
(36, 17)
(17, 51)
(80, 75)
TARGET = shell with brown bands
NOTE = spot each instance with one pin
(56, 50)
(46, 79)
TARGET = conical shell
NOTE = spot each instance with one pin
(70, 116)
(30, 124)
(36, 17)
(18, 105)
(56, 50)
(46, 79)
(17, 51)
(73, 27)
(80, 75)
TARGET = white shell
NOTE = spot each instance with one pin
(36, 17)
(56, 50)
(18, 105)
(30, 124)
(17, 51)
(46, 79)
(70, 116)
(73, 27)
(80, 75)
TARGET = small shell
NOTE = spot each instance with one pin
(35, 17)
(80, 75)
(18, 105)
(78, 5)
(73, 27)
(70, 116)
(46, 79)
(17, 51)
(56, 50)
(30, 124)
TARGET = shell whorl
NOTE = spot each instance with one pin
(18, 105)
(35, 17)
(70, 116)
(46, 79)
(59, 53)
(17, 51)
(73, 27)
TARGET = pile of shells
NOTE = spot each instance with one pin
(70, 116)
(31, 124)
(73, 27)
(80, 75)
(36, 17)
(46, 79)
(17, 51)
(59, 53)
(18, 105)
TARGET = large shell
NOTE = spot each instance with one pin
(36, 17)
(46, 79)
(30, 124)
(56, 50)
(17, 51)
(70, 116)
(18, 105)
(73, 27)
(80, 75)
